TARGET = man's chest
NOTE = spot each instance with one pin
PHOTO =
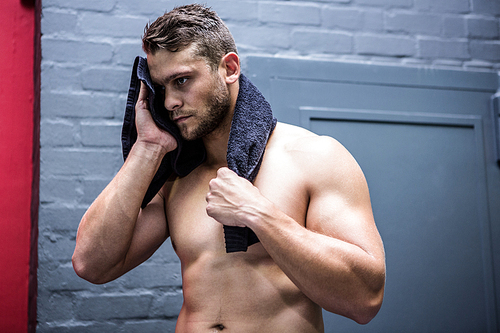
(191, 229)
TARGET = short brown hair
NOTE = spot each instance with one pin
(191, 24)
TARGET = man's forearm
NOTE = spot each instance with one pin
(339, 276)
(106, 230)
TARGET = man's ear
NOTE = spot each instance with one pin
(231, 64)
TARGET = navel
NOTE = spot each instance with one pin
(218, 327)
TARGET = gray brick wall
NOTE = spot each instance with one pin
(88, 48)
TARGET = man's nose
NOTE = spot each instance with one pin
(172, 102)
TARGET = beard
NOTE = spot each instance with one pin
(212, 118)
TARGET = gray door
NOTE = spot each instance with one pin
(424, 139)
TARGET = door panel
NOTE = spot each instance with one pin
(421, 139)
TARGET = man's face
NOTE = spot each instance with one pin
(196, 97)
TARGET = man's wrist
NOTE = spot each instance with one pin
(149, 151)
(266, 214)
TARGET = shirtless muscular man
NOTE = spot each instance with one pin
(309, 204)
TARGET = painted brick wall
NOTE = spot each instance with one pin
(88, 48)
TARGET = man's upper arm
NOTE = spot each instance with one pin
(150, 232)
(340, 204)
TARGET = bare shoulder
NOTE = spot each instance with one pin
(311, 152)
(294, 138)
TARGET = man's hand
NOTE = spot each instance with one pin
(234, 201)
(147, 131)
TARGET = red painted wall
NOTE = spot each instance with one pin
(18, 100)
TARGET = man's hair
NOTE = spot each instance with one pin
(191, 24)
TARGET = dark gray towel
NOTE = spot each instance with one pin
(251, 127)
(252, 124)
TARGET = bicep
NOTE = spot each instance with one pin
(340, 205)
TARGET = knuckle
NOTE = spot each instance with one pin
(222, 171)
(209, 210)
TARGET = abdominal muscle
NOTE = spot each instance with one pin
(243, 292)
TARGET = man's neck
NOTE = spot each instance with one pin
(216, 146)
(216, 142)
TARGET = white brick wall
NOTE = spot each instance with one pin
(88, 48)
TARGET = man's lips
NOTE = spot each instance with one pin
(180, 119)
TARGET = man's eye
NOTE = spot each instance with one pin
(181, 80)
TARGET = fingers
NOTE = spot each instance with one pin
(226, 173)
(233, 200)
(226, 184)
(147, 130)
(223, 179)
(143, 92)
(143, 100)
